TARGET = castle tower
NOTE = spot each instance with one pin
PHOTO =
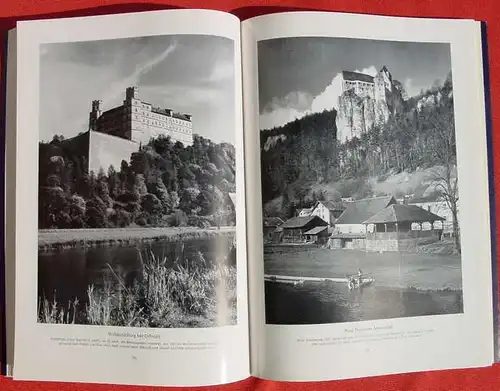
(132, 93)
(95, 114)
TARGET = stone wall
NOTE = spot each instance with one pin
(334, 244)
(338, 243)
(382, 245)
(106, 150)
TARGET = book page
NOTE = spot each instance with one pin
(130, 252)
(370, 221)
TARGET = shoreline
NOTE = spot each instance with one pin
(387, 286)
(62, 239)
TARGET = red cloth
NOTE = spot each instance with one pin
(485, 10)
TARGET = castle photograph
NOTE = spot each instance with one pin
(137, 183)
(360, 200)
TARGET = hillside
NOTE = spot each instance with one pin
(303, 160)
(165, 184)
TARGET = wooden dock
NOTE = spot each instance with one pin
(297, 279)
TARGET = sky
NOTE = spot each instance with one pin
(191, 74)
(298, 76)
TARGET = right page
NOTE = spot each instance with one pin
(369, 217)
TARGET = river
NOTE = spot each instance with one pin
(406, 285)
(69, 272)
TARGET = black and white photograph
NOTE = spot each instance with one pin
(137, 182)
(359, 180)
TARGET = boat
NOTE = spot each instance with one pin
(358, 281)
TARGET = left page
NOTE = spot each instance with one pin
(129, 240)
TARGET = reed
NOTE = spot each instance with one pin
(168, 292)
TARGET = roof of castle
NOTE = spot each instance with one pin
(356, 76)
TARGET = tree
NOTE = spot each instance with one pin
(446, 178)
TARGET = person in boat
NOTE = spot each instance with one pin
(360, 276)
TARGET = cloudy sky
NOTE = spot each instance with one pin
(301, 75)
(187, 73)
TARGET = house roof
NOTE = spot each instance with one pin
(306, 210)
(403, 213)
(356, 76)
(315, 230)
(357, 212)
(331, 205)
(272, 222)
(299, 222)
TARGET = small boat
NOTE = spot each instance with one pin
(357, 281)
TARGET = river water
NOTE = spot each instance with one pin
(406, 285)
(69, 272)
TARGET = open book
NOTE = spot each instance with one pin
(193, 200)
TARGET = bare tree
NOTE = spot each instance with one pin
(445, 178)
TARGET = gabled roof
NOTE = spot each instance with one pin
(331, 205)
(299, 222)
(353, 76)
(272, 222)
(315, 230)
(357, 212)
(397, 213)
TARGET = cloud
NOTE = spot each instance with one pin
(115, 89)
(222, 71)
(281, 111)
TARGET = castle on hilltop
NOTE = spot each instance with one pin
(365, 85)
(139, 121)
(114, 135)
(366, 101)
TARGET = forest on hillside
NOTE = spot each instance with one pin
(306, 152)
(165, 184)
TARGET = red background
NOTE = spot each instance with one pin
(484, 10)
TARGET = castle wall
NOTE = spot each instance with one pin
(146, 122)
(106, 150)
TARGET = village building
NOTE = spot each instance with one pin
(436, 204)
(270, 228)
(329, 211)
(294, 230)
(318, 235)
(391, 228)
(349, 230)
(305, 212)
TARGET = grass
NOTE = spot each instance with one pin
(186, 295)
(64, 238)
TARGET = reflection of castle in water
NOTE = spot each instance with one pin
(115, 134)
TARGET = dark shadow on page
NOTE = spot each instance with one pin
(491, 183)
(3, 306)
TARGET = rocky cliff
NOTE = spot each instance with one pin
(357, 115)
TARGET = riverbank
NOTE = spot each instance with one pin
(50, 240)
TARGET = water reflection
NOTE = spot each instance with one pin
(317, 303)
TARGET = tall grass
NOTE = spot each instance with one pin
(176, 292)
